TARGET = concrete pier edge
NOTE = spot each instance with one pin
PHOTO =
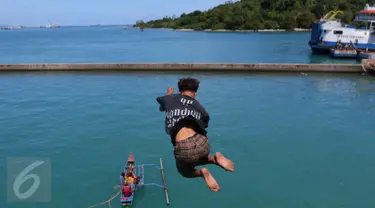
(219, 67)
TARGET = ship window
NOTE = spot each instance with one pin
(337, 32)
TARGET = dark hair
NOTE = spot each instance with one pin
(188, 84)
(123, 174)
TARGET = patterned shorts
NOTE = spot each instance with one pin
(192, 149)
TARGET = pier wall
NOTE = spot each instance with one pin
(219, 67)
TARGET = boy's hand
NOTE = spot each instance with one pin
(170, 90)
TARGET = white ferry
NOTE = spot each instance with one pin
(329, 31)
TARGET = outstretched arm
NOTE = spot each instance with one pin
(161, 99)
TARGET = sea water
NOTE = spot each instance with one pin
(113, 44)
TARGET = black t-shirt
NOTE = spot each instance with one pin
(183, 111)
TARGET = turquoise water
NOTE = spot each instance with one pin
(296, 141)
(112, 44)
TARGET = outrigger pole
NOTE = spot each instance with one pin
(164, 182)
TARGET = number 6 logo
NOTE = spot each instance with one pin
(22, 177)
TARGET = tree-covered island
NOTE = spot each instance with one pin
(260, 14)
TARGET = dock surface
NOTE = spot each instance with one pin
(219, 67)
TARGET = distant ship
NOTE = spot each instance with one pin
(327, 32)
(11, 27)
(52, 26)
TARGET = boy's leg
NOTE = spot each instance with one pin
(191, 152)
(218, 160)
(196, 149)
(188, 170)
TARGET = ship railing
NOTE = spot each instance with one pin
(331, 15)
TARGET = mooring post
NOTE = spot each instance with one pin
(164, 182)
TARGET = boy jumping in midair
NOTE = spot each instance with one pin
(186, 122)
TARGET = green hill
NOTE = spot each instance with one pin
(260, 14)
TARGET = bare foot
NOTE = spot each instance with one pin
(224, 162)
(210, 180)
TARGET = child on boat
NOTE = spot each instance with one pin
(186, 122)
(131, 177)
(127, 191)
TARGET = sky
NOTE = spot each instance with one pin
(90, 12)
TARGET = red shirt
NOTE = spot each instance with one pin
(127, 191)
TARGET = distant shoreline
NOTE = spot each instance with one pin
(180, 30)
(10, 27)
(243, 31)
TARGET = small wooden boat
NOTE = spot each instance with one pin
(138, 182)
(130, 168)
(344, 53)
